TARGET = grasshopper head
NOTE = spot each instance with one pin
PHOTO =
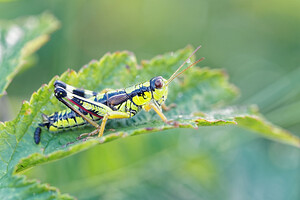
(159, 89)
(159, 85)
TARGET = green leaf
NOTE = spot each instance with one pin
(18, 40)
(201, 96)
(17, 187)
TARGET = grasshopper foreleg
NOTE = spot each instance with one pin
(157, 109)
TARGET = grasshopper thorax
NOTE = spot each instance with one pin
(159, 89)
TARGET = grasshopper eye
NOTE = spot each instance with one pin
(158, 83)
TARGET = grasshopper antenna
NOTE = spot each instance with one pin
(174, 75)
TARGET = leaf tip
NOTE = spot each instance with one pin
(93, 61)
(25, 102)
(56, 77)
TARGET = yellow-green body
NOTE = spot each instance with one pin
(108, 104)
(95, 105)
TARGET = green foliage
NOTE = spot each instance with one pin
(19, 40)
(201, 96)
(17, 187)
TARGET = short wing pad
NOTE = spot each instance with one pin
(117, 99)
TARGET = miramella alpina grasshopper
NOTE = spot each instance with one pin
(107, 104)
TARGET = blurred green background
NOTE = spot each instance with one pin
(256, 42)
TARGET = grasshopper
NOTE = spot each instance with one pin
(108, 104)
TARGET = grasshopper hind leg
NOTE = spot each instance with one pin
(107, 112)
(100, 129)
(77, 91)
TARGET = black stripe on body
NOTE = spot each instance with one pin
(140, 90)
(130, 108)
(69, 114)
(79, 92)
